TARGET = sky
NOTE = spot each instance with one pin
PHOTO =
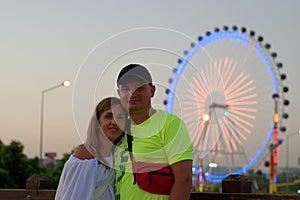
(86, 42)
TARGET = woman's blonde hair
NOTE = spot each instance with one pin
(94, 132)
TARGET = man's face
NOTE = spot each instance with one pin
(136, 97)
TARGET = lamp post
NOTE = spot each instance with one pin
(205, 118)
(287, 154)
(65, 83)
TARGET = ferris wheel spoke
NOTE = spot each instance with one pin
(228, 79)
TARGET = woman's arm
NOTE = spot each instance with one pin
(78, 179)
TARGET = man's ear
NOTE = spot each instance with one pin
(153, 89)
(118, 91)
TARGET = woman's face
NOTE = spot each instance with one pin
(112, 122)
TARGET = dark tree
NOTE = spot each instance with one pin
(15, 167)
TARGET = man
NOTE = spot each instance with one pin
(158, 137)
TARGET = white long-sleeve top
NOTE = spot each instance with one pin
(80, 178)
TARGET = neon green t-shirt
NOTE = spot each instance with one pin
(163, 138)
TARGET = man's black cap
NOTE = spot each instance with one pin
(134, 72)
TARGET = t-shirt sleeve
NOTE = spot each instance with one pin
(178, 145)
(78, 180)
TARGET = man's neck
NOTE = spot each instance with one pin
(138, 118)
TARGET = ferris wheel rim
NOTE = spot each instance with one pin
(201, 43)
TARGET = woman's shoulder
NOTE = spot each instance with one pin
(82, 153)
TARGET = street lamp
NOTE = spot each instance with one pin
(287, 153)
(205, 117)
(213, 165)
(65, 83)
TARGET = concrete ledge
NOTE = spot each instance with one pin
(38, 181)
(243, 196)
(236, 183)
(19, 194)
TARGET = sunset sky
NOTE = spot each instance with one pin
(46, 42)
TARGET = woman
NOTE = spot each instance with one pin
(87, 174)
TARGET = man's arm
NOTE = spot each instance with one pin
(181, 189)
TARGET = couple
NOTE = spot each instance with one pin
(151, 138)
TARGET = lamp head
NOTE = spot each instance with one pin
(66, 83)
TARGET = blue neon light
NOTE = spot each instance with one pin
(200, 45)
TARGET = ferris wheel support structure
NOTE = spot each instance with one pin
(274, 150)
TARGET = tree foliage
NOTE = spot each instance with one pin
(54, 171)
(15, 167)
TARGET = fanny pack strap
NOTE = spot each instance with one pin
(129, 142)
(129, 137)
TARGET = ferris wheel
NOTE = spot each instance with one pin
(225, 88)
